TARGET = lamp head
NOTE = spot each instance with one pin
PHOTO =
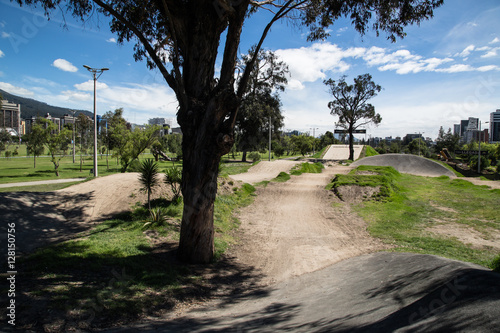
(87, 67)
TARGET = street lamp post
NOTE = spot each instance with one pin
(419, 141)
(96, 73)
(74, 123)
(314, 136)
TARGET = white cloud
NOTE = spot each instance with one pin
(15, 90)
(89, 86)
(456, 69)
(309, 64)
(487, 68)
(64, 65)
(495, 40)
(5, 34)
(492, 52)
(467, 51)
(77, 95)
(1, 54)
(111, 40)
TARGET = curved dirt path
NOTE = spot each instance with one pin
(265, 170)
(292, 228)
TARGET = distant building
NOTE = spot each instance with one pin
(456, 129)
(176, 130)
(495, 126)
(10, 116)
(160, 121)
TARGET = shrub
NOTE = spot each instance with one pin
(173, 177)
(495, 264)
(254, 156)
(134, 166)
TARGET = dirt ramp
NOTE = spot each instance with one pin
(411, 164)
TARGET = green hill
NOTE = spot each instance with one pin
(31, 107)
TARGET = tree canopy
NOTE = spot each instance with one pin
(181, 38)
(351, 105)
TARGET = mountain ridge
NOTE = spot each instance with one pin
(31, 107)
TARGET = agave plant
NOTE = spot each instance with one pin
(149, 177)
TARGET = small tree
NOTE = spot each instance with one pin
(36, 139)
(350, 104)
(149, 177)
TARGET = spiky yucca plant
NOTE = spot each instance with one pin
(149, 177)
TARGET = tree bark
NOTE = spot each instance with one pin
(205, 140)
(351, 143)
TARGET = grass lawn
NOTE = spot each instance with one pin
(415, 205)
(21, 169)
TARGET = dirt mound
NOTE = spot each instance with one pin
(44, 218)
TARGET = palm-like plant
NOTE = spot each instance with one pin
(149, 177)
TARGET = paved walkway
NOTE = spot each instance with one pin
(42, 182)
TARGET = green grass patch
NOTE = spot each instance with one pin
(370, 151)
(281, 178)
(225, 221)
(227, 168)
(374, 176)
(423, 202)
(39, 188)
(307, 168)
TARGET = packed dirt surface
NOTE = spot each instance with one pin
(341, 152)
(298, 227)
(407, 163)
(265, 170)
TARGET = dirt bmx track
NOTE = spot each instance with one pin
(320, 269)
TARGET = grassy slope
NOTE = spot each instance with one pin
(421, 202)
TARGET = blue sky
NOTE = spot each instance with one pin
(445, 70)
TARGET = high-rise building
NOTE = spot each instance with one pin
(495, 126)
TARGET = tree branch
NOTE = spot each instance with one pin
(287, 8)
(151, 51)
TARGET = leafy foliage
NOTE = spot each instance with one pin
(351, 105)
(173, 177)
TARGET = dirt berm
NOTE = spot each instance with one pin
(411, 164)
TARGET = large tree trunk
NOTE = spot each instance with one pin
(351, 144)
(204, 142)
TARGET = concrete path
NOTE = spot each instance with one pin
(379, 292)
(42, 182)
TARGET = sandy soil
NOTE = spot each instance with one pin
(265, 170)
(341, 152)
(292, 228)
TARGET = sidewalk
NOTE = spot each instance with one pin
(42, 182)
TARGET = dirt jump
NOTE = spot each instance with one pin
(404, 163)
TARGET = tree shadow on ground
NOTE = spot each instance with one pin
(38, 221)
(71, 292)
(463, 299)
